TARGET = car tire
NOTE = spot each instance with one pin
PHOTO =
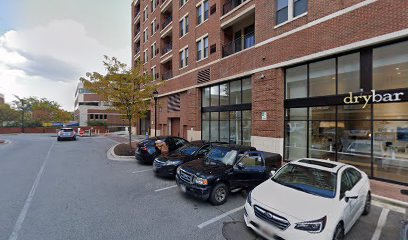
(219, 194)
(58, 139)
(339, 233)
(367, 205)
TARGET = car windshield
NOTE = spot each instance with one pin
(221, 154)
(67, 130)
(188, 150)
(306, 179)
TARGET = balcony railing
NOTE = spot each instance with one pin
(137, 31)
(231, 4)
(239, 44)
(167, 75)
(167, 21)
(167, 48)
(137, 50)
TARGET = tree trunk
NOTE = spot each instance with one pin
(130, 132)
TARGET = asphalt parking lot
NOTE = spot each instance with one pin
(77, 193)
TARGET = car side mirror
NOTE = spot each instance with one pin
(350, 195)
(273, 172)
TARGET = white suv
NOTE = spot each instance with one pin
(309, 199)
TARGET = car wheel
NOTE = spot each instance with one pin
(367, 206)
(339, 233)
(219, 194)
(58, 139)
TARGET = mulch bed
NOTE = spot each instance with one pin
(2, 141)
(123, 149)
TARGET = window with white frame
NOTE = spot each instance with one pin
(145, 35)
(145, 14)
(184, 26)
(286, 10)
(184, 57)
(145, 56)
(154, 4)
(202, 48)
(153, 25)
(203, 10)
(153, 70)
(154, 50)
(182, 2)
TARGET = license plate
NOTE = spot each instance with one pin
(183, 188)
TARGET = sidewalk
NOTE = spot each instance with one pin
(389, 192)
(122, 138)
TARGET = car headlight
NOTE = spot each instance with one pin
(178, 171)
(249, 200)
(315, 226)
(200, 181)
(174, 163)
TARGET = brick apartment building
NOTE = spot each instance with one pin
(90, 107)
(2, 98)
(283, 76)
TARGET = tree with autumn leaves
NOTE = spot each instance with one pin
(128, 90)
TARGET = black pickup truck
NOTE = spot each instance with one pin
(226, 168)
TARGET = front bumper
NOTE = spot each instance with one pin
(144, 158)
(165, 171)
(269, 231)
(202, 192)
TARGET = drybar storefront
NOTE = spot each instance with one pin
(352, 108)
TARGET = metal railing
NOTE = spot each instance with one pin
(137, 50)
(167, 75)
(167, 48)
(167, 21)
(231, 4)
(239, 44)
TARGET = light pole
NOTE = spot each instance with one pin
(155, 96)
(23, 108)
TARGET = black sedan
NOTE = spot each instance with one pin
(146, 150)
(166, 166)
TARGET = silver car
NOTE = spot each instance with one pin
(66, 134)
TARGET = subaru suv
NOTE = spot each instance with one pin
(225, 169)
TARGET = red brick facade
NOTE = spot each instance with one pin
(329, 27)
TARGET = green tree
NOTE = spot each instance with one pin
(8, 115)
(127, 89)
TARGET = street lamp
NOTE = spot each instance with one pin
(155, 96)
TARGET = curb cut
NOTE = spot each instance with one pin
(112, 156)
(390, 201)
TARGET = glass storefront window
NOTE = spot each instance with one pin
(224, 126)
(206, 97)
(296, 82)
(246, 127)
(235, 92)
(295, 140)
(246, 90)
(205, 128)
(348, 73)
(235, 127)
(391, 111)
(224, 94)
(391, 150)
(215, 130)
(390, 66)
(322, 78)
(215, 95)
(322, 138)
(354, 112)
(296, 114)
(322, 113)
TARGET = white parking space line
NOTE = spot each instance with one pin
(146, 170)
(213, 220)
(27, 204)
(380, 224)
(162, 189)
(389, 206)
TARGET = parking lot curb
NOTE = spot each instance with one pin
(391, 201)
(112, 156)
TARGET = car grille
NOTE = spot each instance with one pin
(272, 218)
(158, 164)
(186, 177)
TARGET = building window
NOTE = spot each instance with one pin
(145, 56)
(390, 66)
(154, 73)
(184, 58)
(286, 10)
(91, 116)
(145, 14)
(154, 50)
(145, 35)
(153, 26)
(154, 4)
(184, 26)
(202, 48)
(322, 78)
(348, 73)
(202, 12)
(182, 2)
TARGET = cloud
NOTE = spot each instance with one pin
(47, 60)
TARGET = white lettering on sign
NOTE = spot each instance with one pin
(374, 97)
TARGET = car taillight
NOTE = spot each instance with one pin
(143, 148)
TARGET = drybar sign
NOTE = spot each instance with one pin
(374, 97)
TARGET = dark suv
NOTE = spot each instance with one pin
(166, 165)
(146, 150)
(226, 168)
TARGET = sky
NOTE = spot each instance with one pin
(47, 45)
